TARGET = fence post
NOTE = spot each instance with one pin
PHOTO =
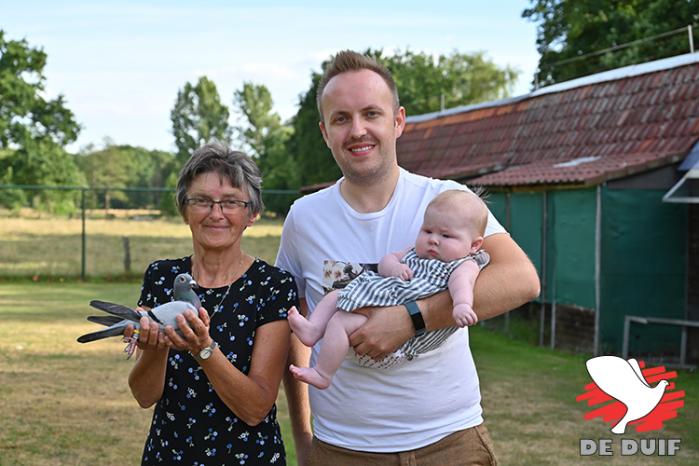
(625, 341)
(84, 236)
(127, 254)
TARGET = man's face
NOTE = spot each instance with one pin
(360, 125)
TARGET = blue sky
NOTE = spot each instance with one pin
(120, 64)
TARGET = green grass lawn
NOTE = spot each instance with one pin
(68, 404)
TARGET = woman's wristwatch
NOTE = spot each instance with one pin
(205, 353)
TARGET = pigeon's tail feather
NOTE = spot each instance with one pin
(113, 331)
(105, 320)
(117, 310)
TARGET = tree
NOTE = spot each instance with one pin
(568, 30)
(120, 167)
(427, 83)
(424, 83)
(43, 162)
(24, 113)
(264, 135)
(34, 127)
(315, 163)
(197, 117)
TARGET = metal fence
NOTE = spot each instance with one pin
(75, 231)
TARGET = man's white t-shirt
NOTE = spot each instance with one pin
(379, 410)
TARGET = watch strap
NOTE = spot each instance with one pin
(416, 317)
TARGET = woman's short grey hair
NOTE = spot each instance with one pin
(214, 157)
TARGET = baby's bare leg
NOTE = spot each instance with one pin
(310, 330)
(334, 348)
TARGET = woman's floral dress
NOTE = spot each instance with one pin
(191, 425)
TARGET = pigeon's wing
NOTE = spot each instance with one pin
(113, 331)
(613, 375)
(165, 314)
(117, 310)
(105, 320)
(637, 369)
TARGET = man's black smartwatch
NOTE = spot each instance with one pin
(416, 317)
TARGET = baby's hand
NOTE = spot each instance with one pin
(403, 272)
(464, 315)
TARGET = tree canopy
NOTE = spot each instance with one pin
(568, 30)
(264, 136)
(197, 117)
(427, 83)
(124, 166)
(34, 128)
(25, 114)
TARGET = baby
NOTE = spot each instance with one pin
(447, 254)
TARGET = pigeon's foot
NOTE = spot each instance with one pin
(131, 344)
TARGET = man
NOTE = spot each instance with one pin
(386, 416)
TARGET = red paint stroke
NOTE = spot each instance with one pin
(611, 413)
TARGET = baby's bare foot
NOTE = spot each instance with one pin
(304, 330)
(310, 376)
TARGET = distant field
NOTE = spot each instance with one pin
(52, 246)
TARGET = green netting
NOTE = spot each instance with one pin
(526, 223)
(644, 250)
(570, 239)
(643, 253)
(496, 204)
(571, 247)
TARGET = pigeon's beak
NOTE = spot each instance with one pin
(193, 284)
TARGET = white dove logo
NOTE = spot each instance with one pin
(624, 381)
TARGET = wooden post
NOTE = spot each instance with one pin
(127, 254)
(83, 237)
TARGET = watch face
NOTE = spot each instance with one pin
(205, 353)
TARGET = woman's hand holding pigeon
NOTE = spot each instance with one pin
(149, 335)
(194, 329)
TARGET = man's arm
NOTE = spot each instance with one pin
(509, 281)
(297, 396)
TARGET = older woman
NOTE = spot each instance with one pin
(215, 385)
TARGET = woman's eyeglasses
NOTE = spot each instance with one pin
(203, 204)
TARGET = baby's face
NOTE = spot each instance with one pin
(445, 235)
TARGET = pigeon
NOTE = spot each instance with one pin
(624, 381)
(165, 314)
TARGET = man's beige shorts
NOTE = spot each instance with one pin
(470, 447)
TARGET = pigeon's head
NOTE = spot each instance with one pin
(184, 281)
(663, 383)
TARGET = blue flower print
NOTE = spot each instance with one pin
(191, 425)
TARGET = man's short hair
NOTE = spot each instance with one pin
(347, 60)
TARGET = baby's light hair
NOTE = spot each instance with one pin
(469, 199)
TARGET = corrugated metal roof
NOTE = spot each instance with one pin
(619, 122)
